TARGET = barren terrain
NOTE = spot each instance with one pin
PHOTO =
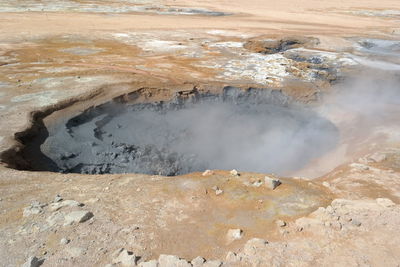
(199, 133)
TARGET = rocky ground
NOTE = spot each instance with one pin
(341, 59)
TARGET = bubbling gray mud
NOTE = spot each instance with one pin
(251, 130)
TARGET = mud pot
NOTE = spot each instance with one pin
(260, 130)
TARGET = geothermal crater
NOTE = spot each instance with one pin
(259, 130)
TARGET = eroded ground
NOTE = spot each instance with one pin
(339, 59)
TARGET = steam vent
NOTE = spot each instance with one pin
(199, 133)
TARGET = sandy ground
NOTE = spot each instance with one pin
(74, 54)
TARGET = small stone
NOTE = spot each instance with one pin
(172, 261)
(272, 183)
(234, 173)
(385, 202)
(77, 217)
(64, 241)
(57, 198)
(234, 234)
(124, 257)
(257, 183)
(207, 173)
(280, 223)
(151, 263)
(198, 261)
(32, 262)
(217, 190)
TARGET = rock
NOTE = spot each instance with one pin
(35, 208)
(356, 223)
(234, 173)
(77, 217)
(385, 202)
(207, 173)
(65, 203)
(151, 263)
(234, 234)
(257, 183)
(198, 261)
(64, 241)
(272, 183)
(172, 261)
(377, 157)
(124, 257)
(57, 198)
(280, 223)
(217, 190)
(213, 263)
(32, 262)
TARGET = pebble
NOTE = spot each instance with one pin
(356, 223)
(257, 183)
(64, 241)
(57, 198)
(198, 261)
(280, 223)
(217, 190)
(272, 183)
(234, 173)
(234, 234)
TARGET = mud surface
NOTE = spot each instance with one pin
(256, 130)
